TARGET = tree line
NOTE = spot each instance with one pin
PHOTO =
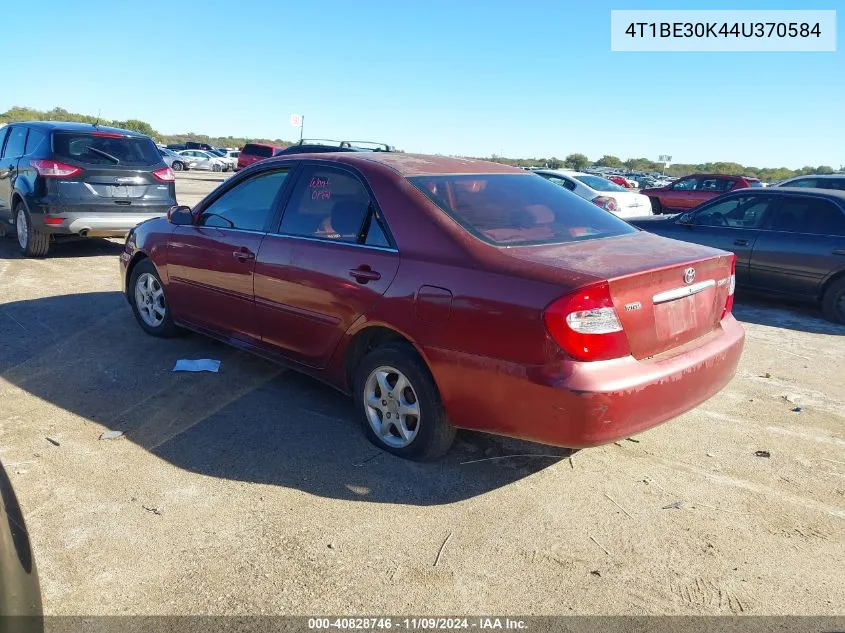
(572, 161)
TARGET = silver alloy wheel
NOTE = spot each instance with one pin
(841, 307)
(392, 407)
(149, 299)
(22, 229)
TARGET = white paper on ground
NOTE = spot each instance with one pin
(201, 364)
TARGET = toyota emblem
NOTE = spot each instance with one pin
(689, 275)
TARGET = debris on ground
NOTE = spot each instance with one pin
(766, 375)
(155, 511)
(790, 397)
(599, 544)
(571, 464)
(596, 572)
(201, 364)
(675, 505)
(111, 435)
(332, 546)
(710, 455)
(631, 439)
(53, 441)
(762, 454)
(613, 501)
(487, 459)
(797, 410)
(442, 547)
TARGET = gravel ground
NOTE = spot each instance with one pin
(253, 490)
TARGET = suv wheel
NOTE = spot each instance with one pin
(33, 243)
(399, 404)
(833, 302)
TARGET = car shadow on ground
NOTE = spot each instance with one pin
(85, 247)
(751, 308)
(253, 422)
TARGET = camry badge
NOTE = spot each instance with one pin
(689, 275)
(630, 307)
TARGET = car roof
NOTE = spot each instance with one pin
(717, 176)
(837, 175)
(568, 172)
(72, 126)
(816, 191)
(409, 164)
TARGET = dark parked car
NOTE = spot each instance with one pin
(690, 191)
(62, 179)
(323, 146)
(444, 293)
(254, 152)
(789, 242)
(20, 592)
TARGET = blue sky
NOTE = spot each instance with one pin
(460, 76)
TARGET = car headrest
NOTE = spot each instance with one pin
(348, 216)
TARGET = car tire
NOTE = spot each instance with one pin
(216, 168)
(177, 166)
(33, 243)
(833, 302)
(425, 436)
(150, 308)
(656, 207)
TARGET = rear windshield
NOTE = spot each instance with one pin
(92, 149)
(600, 184)
(518, 209)
(755, 183)
(258, 150)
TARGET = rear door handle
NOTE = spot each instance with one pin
(740, 242)
(244, 254)
(838, 251)
(364, 274)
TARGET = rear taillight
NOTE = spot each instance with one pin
(165, 174)
(605, 202)
(729, 302)
(586, 326)
(54, 169)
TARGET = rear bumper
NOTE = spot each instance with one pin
(578, 405)
(104, 223)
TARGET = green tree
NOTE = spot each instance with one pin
(824, 169)
(608, 161)
(576, 161)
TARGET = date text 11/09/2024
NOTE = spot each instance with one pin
(723, 30)
(416, 624)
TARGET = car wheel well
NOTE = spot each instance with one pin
(16, 197)
(138, 258)
(833, 279)
(365, 341)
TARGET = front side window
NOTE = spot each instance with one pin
(808, 215)
(686, 184)
(741, 212)
(518, 209)
(15, 143)
(101, 148)
(247, 205)
(332, 204)
(715, 184)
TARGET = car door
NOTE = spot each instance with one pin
(678, 195)
(329, 263)
(707, 188)
(12, 148)
(211, 263)
(731, 224)
(802, 243)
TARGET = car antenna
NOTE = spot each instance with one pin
(97, 122)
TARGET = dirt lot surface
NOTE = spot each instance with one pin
(253, 490)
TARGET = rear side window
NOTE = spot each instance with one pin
(257, 150)
(34, 140)
(755, 183)
(100, 149)
(809, 215)
(518, 209)
(15, 143)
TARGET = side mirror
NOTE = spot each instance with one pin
(686, 218)
(180, 216)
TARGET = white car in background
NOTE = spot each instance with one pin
(622, 202)
(206, 160)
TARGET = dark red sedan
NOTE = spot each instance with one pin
(443, 293)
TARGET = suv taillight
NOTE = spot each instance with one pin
(729, 302)
(605, 202)
(54, 169)
(586, 326)
(165, 174)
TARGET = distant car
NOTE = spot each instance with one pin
(60, 179)
(20, 591)
(600, 191)
(205, 161)
(441, 293)
(175, 161)
(198, 145)
(788, 241)
(820, 181)
(623, 181)
(233, 153)
(690, 191)
(254, 152)
(231, 163)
